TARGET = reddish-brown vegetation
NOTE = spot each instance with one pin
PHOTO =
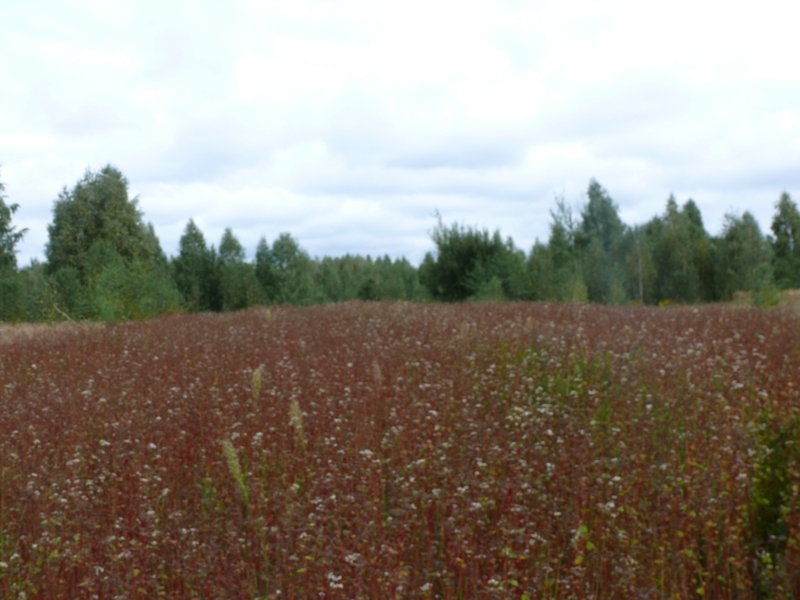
(404, 451)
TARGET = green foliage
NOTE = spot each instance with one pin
(466, 263)
(239, 286)
(600, 219)
(678, 249)
(773, 498)
(9, 236)
(137, 290)
(599, 239)
(554, 270)
(36, 292)
(231, 250)
(103, 261)
(97, 209)
(286, 272)
(669, 259)
(11, 305)
(786, 243)
(398, 280)
(195, 271)
(69, 294)
(355, 277)
(11, 296)
(743, 257)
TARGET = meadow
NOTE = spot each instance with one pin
(377, 450)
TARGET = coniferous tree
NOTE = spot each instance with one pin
(554, 271)
(238, 282)
(743, 257)
(786, 243)
(195, 271)
(9, 235)
(37, 292)
(97, 209)
(287, 273)
(352, 277)
(600, 240)
(679, 245)
(103, 260)
(11, 300)
(397, 280)
(471, 263)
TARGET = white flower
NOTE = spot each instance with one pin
(334, 581)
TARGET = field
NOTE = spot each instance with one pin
(372, 450)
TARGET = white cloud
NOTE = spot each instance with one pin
(348, 123)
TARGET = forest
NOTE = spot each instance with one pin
(104, 262)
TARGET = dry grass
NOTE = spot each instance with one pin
(786, 298)
(12, 332)
(790, 298)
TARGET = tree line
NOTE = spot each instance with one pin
(104, 262)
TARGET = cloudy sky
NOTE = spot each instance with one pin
(349, 122)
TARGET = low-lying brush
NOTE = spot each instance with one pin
(405, 451)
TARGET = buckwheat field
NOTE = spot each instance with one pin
(370, 450)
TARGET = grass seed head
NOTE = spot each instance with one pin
(376, 372)
(234, 467)
(296, 421)
(257, 383)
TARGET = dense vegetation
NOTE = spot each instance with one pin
(103, 262)
(400, 450)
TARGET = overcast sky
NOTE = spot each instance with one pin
(348, 123)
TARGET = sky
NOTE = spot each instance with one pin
(350, 123)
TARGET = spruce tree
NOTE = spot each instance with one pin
(786, 243)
